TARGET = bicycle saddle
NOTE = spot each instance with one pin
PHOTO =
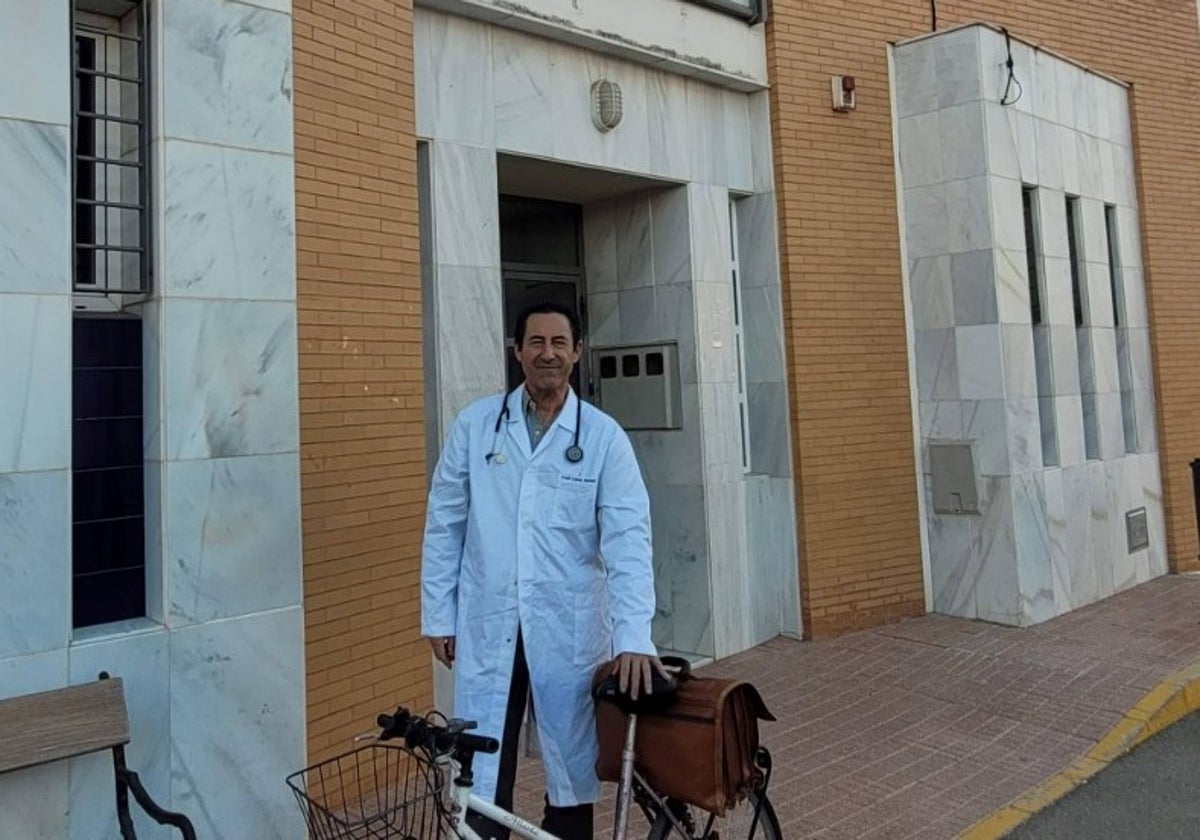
(658, 699)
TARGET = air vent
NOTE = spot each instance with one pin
(1137, 533)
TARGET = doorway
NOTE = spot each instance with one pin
(541, 259)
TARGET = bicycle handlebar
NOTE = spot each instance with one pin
(418, 732)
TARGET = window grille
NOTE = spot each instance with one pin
(110, 144)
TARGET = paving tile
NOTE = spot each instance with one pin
(923, 727)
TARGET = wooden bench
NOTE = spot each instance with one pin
(37, 729)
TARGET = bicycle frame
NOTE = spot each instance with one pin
(463, 800)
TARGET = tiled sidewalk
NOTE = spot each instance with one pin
(922, 728)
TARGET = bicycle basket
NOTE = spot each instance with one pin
(379, 791)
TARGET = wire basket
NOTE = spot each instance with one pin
(380, 791)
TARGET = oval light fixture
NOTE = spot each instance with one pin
(607, 106)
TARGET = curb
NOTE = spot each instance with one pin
(1171, 700)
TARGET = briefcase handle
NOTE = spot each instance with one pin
(679, 667)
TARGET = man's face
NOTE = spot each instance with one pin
(548, 354)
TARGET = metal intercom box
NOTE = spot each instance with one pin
(638, 385)
(952, 470)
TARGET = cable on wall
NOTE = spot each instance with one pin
(933, 13)
(1012, 76)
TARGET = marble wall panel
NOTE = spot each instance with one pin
(1020, 373)
(915, 79)
(769, 431)
(722, 432)
(984, 424)
(708, 149)
(669, 237)
(975, 282)
(927, 224)
(1068, 412)
(1050, 172)
(229, 378)
(239, 685)
(140, 660)
(739, 162)
(957, 67)
(466, 217)
(35, 381)
(919, 134)
(937, 365)
(233, 539)
(635, 256)
(980, 362)
(228, 79)
(668, 127)
(1007, 214)
(457, 62)
(1023, 435)
(35, 214)
(681, 553)
(229, 226)
(961, 137)
(674, 459)
(1046, 94)
(1156, 560)
(772, 554)
(954, 562)
(932, 291)
(967, 211)
(1013, 304)
(35, 562)
(1051, 482)
(732, 585)
(762, 335)
(468, 299)
(600, 246)
(35, 37)
(997, 585)
(1035, 569)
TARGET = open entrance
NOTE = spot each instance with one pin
(541, 254)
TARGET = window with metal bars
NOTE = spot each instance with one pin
(110, 142)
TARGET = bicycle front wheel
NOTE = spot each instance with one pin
(737, 824)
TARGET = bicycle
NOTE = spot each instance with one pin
(421, 789)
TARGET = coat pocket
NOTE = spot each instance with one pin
(574, 503)
(593, 636)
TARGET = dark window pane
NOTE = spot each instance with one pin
(1032, 246)
(109, 596)
(108, 342)
(630, 365)
(107, 392)
(112, 544)
(539, 232)
(107, 443)
(1073, 251)
(608, 367)
(106, 494)
(654, 364)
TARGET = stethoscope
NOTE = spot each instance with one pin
(574, 452)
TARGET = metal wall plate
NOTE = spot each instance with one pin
(1137, 531)
(952, 468)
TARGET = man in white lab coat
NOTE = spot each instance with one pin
(537, 568)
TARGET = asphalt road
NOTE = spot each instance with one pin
(1153, 792)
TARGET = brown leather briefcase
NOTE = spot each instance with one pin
(700, 751)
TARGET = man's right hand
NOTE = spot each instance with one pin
(443, 649)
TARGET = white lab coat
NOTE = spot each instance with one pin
(562, 548)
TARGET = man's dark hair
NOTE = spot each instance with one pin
(547, 307)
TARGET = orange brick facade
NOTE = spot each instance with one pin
(844, 315)
(361, 394)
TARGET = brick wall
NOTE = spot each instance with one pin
(362, 420)
(856, 481)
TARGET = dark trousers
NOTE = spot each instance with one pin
(571, 823)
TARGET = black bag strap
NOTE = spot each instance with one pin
(677, 665)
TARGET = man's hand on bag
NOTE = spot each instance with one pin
(443, 649)
(635, 671)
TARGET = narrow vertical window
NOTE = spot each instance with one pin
(110, 271)
(735, 273)
(1083, 334)
(1032, 249)
(1073, 252)
(1124, 360)
(1042, 350)
(110, 140)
